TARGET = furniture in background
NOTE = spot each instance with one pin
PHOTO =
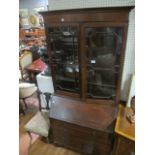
(32, 39)
(24, 61)
(32, 34)
(25, 91)
(34, 68)
(125, 134)
(86, 52)
(45, 85)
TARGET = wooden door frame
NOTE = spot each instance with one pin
(123, 25)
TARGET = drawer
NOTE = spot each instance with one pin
(104, 138)
(103, 147)
(74, 139)
(57, 123)
(101, 152)
(81, 139)
(75, 144)
(72, 133)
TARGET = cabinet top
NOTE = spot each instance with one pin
(88, 9)
(119, 14)
(94, 116)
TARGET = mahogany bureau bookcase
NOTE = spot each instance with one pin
(86, 52)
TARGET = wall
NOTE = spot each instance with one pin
(31, 4)
(129, 63)
(70, 4)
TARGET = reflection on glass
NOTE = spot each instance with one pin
(103, 47)
(64, 50)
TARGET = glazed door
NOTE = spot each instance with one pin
(102, 48)
(64, 44)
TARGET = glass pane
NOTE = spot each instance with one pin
(101, 83)
(64, 50)
(64, 43)
(103, 48)
(102, 77)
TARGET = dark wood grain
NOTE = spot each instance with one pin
(88, 15)
(83, 18)
(84, 114)
(78, 122)
(123, 146)
(84, 127)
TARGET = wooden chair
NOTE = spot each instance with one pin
(40, 124)
(24, 61)
(45, 85)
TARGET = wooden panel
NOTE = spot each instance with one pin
(65, 93)
(78, 140)
(72, 127)
(81, 139)
(98, 17)
(123, 146)
(87, 15)
(84, 114)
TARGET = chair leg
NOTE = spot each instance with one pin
(47, 97)
(39, 99)
(29, 133)
(26, 107)
(48, 140)
(21, 110)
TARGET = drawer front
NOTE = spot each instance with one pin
(72, 127)
(75, 139)
(81, 139)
